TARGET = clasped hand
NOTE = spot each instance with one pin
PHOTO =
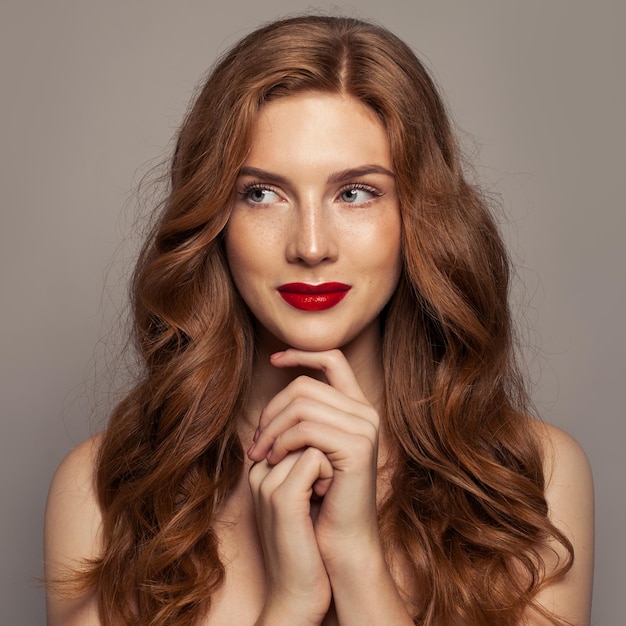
(314, 484)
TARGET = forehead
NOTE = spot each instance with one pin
(313, 126)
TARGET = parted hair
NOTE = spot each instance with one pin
(466, 511)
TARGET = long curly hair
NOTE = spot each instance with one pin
(466, 510)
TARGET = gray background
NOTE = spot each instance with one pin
(91, 94)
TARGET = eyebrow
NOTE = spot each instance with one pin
(356, 172)
(337, 177)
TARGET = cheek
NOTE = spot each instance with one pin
(237, 253)
(385, 246)
(250, 247)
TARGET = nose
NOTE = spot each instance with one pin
(312, 239)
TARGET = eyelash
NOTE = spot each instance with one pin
(248, 188)
(361, 187)
(254, 186)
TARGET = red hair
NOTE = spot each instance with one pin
(466, 511)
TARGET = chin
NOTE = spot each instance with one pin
(314, 345)
(276, 341)
(315, 337)
(315, 342)
(321, 347)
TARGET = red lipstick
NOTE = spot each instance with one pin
(313, 297)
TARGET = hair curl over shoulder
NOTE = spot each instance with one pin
(466, 511)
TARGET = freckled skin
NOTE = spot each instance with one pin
(303, 220)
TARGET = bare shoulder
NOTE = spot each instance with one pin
(72, 490)
(72, 530)
(569, 494)
(79, 462)
(566, 466)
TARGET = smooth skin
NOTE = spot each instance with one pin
(316, 202)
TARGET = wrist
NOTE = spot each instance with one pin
(279, 611)
(359, 556)
(272, 618)
(353, 578)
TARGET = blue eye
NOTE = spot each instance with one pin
(259, 194)
(358, 194)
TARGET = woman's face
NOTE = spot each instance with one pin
(313, 241)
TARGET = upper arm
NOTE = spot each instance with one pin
(569, 494)
(72, 534)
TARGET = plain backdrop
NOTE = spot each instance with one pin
(91, 93)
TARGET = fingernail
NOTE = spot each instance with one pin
(277, 354)
(250, 449)
(257, 432)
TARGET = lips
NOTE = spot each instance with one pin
(308, 297)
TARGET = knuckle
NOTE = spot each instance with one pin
(255, 475)
(300, 406)
(266, 490)
(274, 498)
(335, 356)
(302, 429)
(314, 455)
(299, 402)
(301, 384)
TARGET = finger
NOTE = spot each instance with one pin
(262, 474)
(292, 480)
(305, 387)
(345, 451)
(312, 466)
(332, 363)
(322, 485)
(303, 409)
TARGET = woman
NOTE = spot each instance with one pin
(324, 290)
